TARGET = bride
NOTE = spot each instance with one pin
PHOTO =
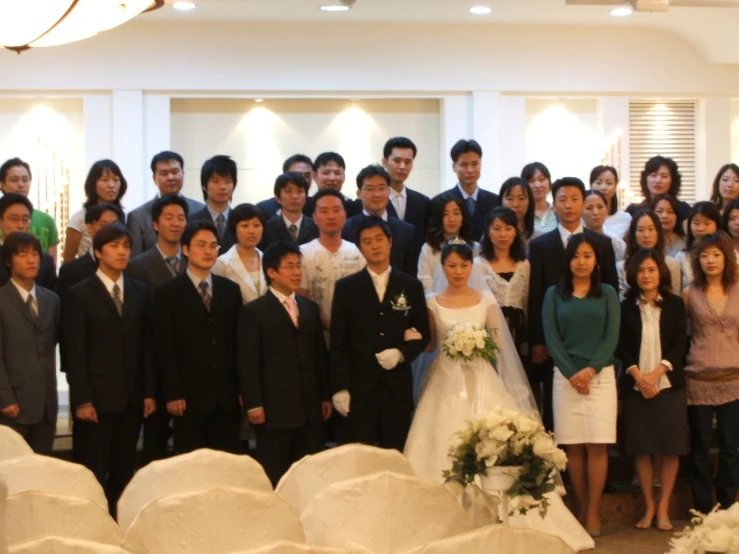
(456, 391)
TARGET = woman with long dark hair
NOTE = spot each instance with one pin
(539, 179)
(660, 176)
(704, 219)
(667, 209)
(604, 178)
(725, 186)
(594, 217)
(731, 223)
(516, 194)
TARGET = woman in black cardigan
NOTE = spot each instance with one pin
(652, 347)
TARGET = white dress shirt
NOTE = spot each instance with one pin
(109, 283)
(383, 216)
(282, 298)
(380, 281)
(399, 200)
(565, 234)
(298, 223)
(165, 257)
(214, 214)
(650, 352)
(465, 196)
(25, 293)
(197, 280)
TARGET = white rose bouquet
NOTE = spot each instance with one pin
(509, 438)
(466, 341)
(717, 531)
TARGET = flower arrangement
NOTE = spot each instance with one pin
(466, 341)
(507, 438)
(717, 531)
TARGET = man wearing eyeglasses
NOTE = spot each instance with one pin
(195, 320)
(15, 215)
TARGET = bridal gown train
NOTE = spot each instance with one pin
(456, 391)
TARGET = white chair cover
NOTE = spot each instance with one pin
(12, 445)
(32, 515)
(384, 512)
(193, 471)
(496, 538)
(3, 502)
(45, 474)
(60, 545)
(311, 475)
(216, 520)
(284, 547)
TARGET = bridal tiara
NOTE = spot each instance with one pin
(457, 240)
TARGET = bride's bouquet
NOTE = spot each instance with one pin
(466, 341)
(504, 438)
(717, 531)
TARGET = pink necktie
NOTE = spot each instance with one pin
(292, 309)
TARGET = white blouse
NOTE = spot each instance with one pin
(77, 222)
(230, 266)
(617, 225)
(650, 353)
(619, 248)
(513, 293)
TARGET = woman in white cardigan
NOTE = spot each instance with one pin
(243, 261)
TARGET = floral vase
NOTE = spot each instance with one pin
(500, 478)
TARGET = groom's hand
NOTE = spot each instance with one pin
(412, 334)
(389, 358)
(341, 401)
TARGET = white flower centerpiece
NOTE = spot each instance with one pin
(511, 442)
(466, 341)
(715, 532)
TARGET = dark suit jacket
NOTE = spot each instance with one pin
(673, 338)
(75, 271)
(227, 241)
(403, 256)
(143, 235)
(362, 326)
(271, 206)
(282, 368)
(547, 258)
(276, 231)
(46, 275)
(486, 201)
(28, 354)
(149, 267)
(196, 350)
(417, 208)
(108, 358)
(351, 206)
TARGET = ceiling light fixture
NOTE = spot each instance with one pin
(42, 23)
(335, 8)
(184, 6)
(622, 11)
(259, 100)
(480, 10)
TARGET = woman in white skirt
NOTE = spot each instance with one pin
(581, 319)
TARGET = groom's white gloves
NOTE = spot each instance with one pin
(341, 401)
(389, 358)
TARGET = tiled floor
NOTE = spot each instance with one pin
(625, 540)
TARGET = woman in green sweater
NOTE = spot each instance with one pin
(581, 319)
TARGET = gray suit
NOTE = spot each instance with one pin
(143, 236)
(28, 364)
(149, 267)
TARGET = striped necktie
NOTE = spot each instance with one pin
(117, 300)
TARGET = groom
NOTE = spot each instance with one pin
(370, 361)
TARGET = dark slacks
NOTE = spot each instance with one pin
(108, 449)
(541, 378)
(378, 417)
(39, 436)
(218, 430)
(700, 419)
(278, 449)
(156, 434)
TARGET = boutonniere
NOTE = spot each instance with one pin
(400, 303)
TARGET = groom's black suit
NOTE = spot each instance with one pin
(362, 326)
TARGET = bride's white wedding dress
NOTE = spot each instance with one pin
(456, 391)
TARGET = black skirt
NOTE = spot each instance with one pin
(655, 426)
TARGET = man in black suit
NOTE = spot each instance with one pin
(15, 215)
(409, 205)
(283, 366)
(196, 315)
(218, 178)
(108, 361)
(547, 258)
(79, 269)
(297, 163)
(373, 184)
(330, 171)
(291, 190)
(155, 267)
(467, 163)
(370, 361)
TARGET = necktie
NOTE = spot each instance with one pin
(31, 303)
(379, 287)
(204, 294)
(294, 232)
(221, 225)
(117, 300)
(397, 204)
(173, 264)
(470, 205)
(292, 309)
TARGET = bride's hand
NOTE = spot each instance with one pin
(412, 334)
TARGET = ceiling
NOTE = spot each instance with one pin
(711, 30)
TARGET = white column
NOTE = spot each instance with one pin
(157, 126)
(613, 126)
(128, 143)
(513, 136)
(454, 124)
(486, 129)
(714, 142)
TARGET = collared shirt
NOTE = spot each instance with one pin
(380, 281)
(565, 234)
(282, 298)
(165, 257)
(214, 214)
(109, 283)
(465, 196)
(298, 223)
(25, 293)
(547, 222)
(399, 201)
(197, 280)
(383, 216)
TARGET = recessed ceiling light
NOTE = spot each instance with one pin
(184, 6)
(622, 11)
(259, 100)
(480, 10)
(335, 8)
